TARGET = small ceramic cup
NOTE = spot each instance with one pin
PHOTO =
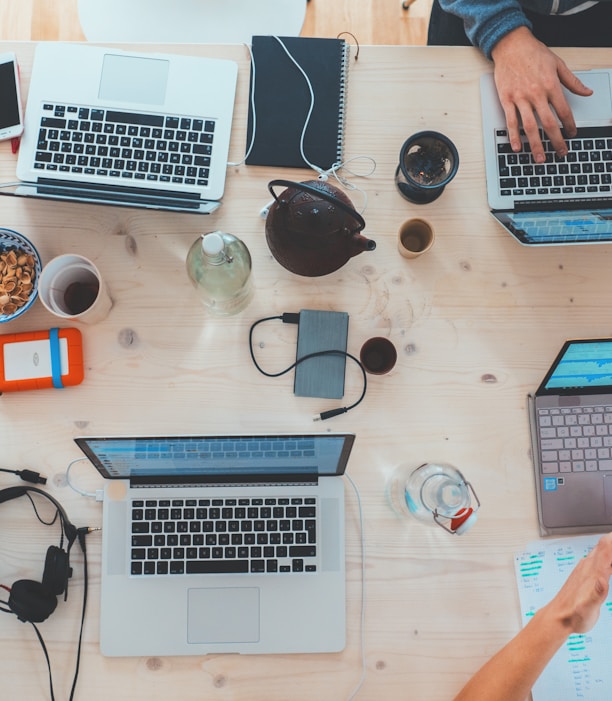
(378, 355)
(71, 287)
(414, 237)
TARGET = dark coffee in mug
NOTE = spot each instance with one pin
(79, 296)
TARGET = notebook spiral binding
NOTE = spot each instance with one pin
(344, 73)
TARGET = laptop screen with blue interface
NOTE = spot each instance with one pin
(217, 456)
(558, 227)
(581, 365)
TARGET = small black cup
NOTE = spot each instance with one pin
(378, 355)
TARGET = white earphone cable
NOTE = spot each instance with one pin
(362, 642)
(336, 167)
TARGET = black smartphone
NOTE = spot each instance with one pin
(11, 115)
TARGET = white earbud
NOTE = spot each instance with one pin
(265, 210)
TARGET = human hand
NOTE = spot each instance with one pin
(579, 600)
(529, 79)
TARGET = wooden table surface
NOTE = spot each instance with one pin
(476, 322)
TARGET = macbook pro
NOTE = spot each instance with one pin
(222, 543)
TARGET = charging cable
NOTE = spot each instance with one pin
(98, 495)
(294, 318)
(362, 646)
(252, 101)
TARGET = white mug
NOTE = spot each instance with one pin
(71, 287)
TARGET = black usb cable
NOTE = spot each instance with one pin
(294, 318)
(27, 475)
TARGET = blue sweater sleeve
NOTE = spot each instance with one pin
(487, 21)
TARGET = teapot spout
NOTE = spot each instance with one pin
(359, 244)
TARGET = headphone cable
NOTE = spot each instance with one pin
(81, 533)
(44, 647)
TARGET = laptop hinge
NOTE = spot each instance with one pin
(237, 481)
(119, 196)
(116, 193)
(587, 203)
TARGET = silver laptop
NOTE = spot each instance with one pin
(222, 543)
(571, 416)
(564, 201)
(124, 128)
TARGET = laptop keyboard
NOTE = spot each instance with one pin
(576, 439)
(125, 146)
(222, 536)
(586, 170)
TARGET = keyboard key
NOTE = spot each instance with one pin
(217, 566)
(302, 551)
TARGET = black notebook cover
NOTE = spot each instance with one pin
(282, 101)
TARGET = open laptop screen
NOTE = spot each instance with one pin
(208, 457)
(558, 227)
(584, 365)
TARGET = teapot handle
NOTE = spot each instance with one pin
(323, 195)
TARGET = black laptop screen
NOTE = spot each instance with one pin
(196, 458)
(582, 365)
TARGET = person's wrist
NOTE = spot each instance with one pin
(555, 622)
(510, 42)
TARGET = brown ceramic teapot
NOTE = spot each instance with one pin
(312, 228)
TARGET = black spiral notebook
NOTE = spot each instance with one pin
(282, 101)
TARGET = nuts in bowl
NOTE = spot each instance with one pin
(20, 268)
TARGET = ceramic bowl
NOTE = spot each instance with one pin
(18, 278)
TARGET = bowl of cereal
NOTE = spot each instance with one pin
(20, 268)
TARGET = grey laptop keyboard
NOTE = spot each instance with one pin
(586, 170)
(231, 535)
(126, 147)
(576, 439)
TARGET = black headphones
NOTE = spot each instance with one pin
(33, 601)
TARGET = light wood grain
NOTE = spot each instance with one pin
(371, 21)
(476, 322)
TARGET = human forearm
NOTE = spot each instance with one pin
(487, 22)
(510, 674)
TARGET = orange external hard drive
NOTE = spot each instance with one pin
(41, 360)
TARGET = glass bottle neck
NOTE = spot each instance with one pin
(218, 256)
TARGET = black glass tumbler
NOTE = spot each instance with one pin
(428, 162)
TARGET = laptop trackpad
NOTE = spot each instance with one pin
(596, 107)
(607, 484)
(134, 79)
(223, 615)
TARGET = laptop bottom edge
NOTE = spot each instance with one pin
(112, 196)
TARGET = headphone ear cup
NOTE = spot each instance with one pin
(31, 601)
(57, 570)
